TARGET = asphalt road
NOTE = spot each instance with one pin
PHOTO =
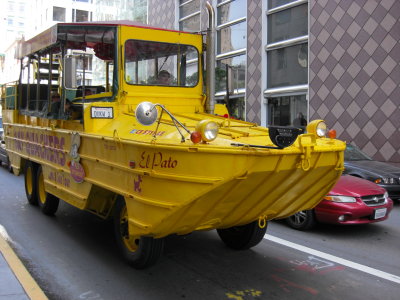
(73, 256)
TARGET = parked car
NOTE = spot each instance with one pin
(4, 156)
(3, 153)
(351, 201)
(359, 164)
(1, 129)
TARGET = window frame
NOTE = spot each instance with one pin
(193, 62)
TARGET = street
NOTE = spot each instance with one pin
(73, 256)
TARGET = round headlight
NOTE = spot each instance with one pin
(208, 130)
(317, 127)
(321, 129)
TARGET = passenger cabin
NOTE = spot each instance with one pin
(76, 75)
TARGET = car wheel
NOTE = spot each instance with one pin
(48, 203)
(30, 182)
(139, 251)
(242, 237)
(303, 220)
(9, 167)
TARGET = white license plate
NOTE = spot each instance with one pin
(380, 213)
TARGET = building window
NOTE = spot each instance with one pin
(189, 15)
(287, 62)
(58, 14)
(287, 24)
(81, 15)
(231, 55)
(87, 62)
(288, 110)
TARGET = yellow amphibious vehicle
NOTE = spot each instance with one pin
(138, 140)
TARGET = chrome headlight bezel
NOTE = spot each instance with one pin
(318, 127)
(208, 130)
(341, 199)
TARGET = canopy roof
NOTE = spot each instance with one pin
(77, 35)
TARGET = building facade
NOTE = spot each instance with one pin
(292, 60)
(355, 72)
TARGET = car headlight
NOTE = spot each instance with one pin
(342, 199)
(208, 130)
(317, 127)
(386, 180)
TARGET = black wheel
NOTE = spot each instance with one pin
(48, 203)
(303, 220)
(8, 165)
(242, 237)
(139, 251)
(31, 182)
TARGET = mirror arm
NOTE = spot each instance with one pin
(174, 120)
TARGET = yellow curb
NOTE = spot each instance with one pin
(29, 284)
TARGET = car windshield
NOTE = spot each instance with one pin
(352, 153)
(163, 64)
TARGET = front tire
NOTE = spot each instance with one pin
(48, 203)
(31, 182)
(139, 251)
(302, 220)
(242, 237)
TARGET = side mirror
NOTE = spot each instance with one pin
(146, 113)
(70, 72)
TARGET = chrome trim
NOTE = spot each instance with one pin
(286, 6)
(210, 60)
(192, 61)
(287, 43)
(374, 200)
(231, 54)
(236, 93)
(225, 2)
(286, 91)
(231, 23)
(186, 2)
(189, 16)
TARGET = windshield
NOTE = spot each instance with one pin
(163, 64)
(352, 153)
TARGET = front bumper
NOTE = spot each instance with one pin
(353, 213)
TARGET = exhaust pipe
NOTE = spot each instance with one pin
(210, 60)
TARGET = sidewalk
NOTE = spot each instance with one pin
(15, 281)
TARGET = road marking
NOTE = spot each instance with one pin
(4, 234)
(335, 259)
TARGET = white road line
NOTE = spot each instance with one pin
(4, 234)
(335, 259)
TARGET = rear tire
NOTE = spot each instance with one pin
(8, 165)
(30, 173)
(242, 237)
(302, 220)
(48, 203)
(139, 251)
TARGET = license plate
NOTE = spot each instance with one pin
(380, 213)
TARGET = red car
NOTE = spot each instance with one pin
(351, 201)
